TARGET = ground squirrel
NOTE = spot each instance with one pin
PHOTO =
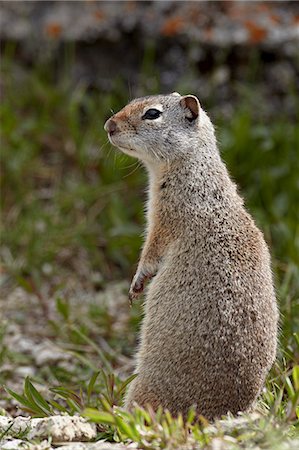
(209, 333)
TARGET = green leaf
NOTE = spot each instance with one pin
(99, 416)
(295, 375)
(91, 385)
(191, 415)
(63, 308)
(90, 342)
(67, 394)
(125, 384)
(289, 387)
(36, 396)
(75, 407)
(25, 284)
(126, 429)
(20, 398)
(57, 406)
(39, 410)
(105, 402)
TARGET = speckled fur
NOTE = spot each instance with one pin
(209, 333)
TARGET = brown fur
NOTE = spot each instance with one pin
(209, 333)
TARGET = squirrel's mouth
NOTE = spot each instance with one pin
(121, 147)
(126, 149)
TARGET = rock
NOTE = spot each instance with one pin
(99, 445)
(59, 428)
(19, 444)
(62, 429)
(25, 371)
(4, 423)
(48, 353)
(13, 427)
(217, 444)
(13, 444)
(184, 41)
(218, 23)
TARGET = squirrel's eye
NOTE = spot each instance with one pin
(151, 114)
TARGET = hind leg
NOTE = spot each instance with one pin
(140, 393)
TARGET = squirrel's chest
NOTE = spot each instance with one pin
(164, 203)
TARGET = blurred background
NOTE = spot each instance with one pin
(72, 206)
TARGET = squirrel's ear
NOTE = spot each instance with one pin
(191, 107)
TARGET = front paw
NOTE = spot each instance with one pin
(138, 283)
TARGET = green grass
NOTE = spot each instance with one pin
(71, 205)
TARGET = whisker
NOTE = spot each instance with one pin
(114, 160)
(138, 165)
(130, 165)
(156, 153)
(153, 151)
(130, 89)
(109, 152)
(104, 145)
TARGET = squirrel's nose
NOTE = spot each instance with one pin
(110, 126)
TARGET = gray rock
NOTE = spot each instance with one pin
(19, 444)
(99, 445)
(48, 353)
(59, 428)
(210, 22)
(181, 42)
(62, 429)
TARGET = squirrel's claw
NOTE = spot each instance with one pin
(141, 276)
(132, 296)
(137, 285)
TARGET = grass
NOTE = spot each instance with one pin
(72, 206)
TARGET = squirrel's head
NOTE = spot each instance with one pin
(160, 128)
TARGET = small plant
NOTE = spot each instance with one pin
(160, 430)
(32, 401)
(72, 401)
(148, 429)
(281, 396)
